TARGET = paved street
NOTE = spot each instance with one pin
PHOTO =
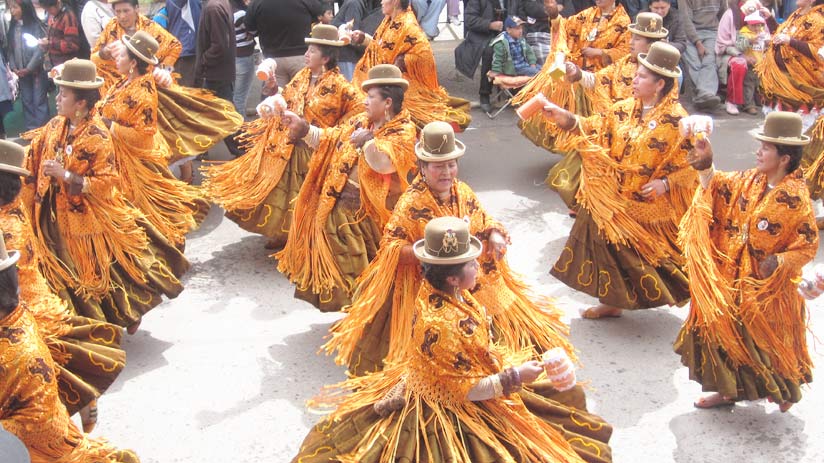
(221, 374)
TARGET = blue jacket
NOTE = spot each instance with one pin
(183, 17)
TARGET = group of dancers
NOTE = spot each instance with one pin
(450, 355)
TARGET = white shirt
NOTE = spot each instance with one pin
(93, 18)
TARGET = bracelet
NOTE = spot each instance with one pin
(666, 184)
(497, 388)
(67, 176)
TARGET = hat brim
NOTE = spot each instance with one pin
(98, 82)
(653, 35)
(14, 256)
(791, 141)
(475, 250)
(151, 60)
(330, 43)
(642, 58)
(402, 83)
(14, 170)
(423, 155)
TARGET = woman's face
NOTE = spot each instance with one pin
(123, 61)
(439, 176)
(638, 44)
(470, 276)
(388, 6)
(313, 59)
(604, 4)
(16, 11)
(376, 106)
(646, 84)
(126, 15)
(67, 105)
(767, 159)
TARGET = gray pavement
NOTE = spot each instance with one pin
(222, 373)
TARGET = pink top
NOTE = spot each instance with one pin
(726, 33)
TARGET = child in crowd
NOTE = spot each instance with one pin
(327, 15)
(511, 55)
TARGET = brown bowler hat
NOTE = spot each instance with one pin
(782, 128)
(79, 73)
(447, 241)
(143, 45)
(385, 74)
(12, 157)
(662, 59)
(438, 143)
(649, 25)
(324, 34)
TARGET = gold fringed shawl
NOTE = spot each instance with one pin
(591, 28)
(450, 352)
(613, 84)
(99, 228)
(30, 407)
(425, 99)
(622, 151)
(167, 53)
(802, 84)
(142, 156)
(243, 183)
(731, 227)
(307, 258)
(521, 320)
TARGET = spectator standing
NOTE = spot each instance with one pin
(677, 36)
(483, 21)
(511, 55)
(428, 12)
(634, 7)
(281, 27)
(183, 17)
(161, 18)
(352, 11)
(245, 59)
(537, 14)
(216, 49)
(6, 81)
(700, 19)
(93, 17)
(62, 41)
(27, 62)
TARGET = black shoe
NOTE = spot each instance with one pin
(708, 104)
(485, 106)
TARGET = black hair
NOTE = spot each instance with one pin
(392, 91)
(327, 6)
(133, 3)
(669, 82)
(90, 95)
(794, 152)
(437, 274)
(48, 3)
(239, 5)
(142, 66)
(29, 15)
(330, 52)
(9, 289)
(10, 185)
(404, 4)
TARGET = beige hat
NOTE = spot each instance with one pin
(6, 260)
(783, 128)
(143, 45)
(438, 144)
(324, 34)
(12, 157)
(79, 73)
(662, 59)
(447, 241)
(649, 25)
(385, 74)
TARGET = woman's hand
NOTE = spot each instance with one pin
(22, 72)
(162, 77)
(767, 266)
(591, 52)
(654, 189)
(497, 244)
(53, 169)
(781, 39)
(765, 13)
(298, 127)
(357, 37)
(700, 158)
(530, 371)
(360, 137)
(560, 116)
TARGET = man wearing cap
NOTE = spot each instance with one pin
(746, 338)
(511, 55)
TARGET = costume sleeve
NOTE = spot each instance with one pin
(802, 249)
(138, 125)
(170, 48)
(101, 174)
(31, 394)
